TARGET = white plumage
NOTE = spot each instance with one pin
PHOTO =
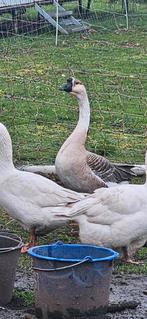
(29, 198)
(114, 217)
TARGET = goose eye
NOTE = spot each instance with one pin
(77, 82)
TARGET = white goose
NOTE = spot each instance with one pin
(115, 217)
(77, 168)
(29, 198)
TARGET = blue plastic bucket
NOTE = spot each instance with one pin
(72, 280)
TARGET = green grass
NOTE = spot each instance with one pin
(40, 117)
(109, 60)
(23, 298)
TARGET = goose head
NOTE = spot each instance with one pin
(5, 148)
(74, 87)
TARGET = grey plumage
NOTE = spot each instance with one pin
(108, 171)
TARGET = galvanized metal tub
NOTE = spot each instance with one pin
(10, 245)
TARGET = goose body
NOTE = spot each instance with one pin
(29, 198)
(77, 168)
(114, 217)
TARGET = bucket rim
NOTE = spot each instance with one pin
(113, 254)
(12, 236)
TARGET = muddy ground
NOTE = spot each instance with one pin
(125, 288)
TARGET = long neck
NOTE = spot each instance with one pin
(84, 114)
(79, 134)
(6, 162)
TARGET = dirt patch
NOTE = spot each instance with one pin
(127, 291)
(125, 287)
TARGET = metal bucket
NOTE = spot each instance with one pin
(10, 246)
(72, 281)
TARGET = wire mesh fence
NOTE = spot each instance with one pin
(109, 60)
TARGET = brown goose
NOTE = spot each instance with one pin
(77, 168)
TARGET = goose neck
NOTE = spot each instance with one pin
(6, 162)
(84, 112)
(79, 134)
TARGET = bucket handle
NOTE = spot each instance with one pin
(7, 250)
(87, 258)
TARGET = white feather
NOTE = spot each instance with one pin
(27, 197)
(113, 217)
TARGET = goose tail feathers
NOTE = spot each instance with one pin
(126, 172)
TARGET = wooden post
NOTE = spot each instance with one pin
(80, 7)
(88, 6)
(15, 20)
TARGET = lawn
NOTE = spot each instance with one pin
(109, 60)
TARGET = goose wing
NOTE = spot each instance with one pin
(108, 171)
(111, 203)
(37, 190)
